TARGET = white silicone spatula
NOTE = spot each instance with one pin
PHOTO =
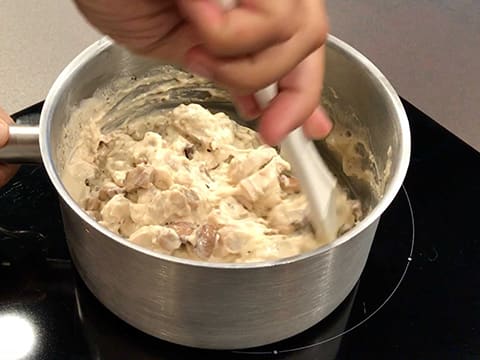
(316, 180)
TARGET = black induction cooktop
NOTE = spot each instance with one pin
(418, 297)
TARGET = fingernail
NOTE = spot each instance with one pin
(328, 128)
(318, 125)
(199, 69)
(324, 120)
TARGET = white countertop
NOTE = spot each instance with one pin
(429, 50)
(37, 38)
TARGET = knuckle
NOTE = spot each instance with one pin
(240, 81)
(283, 26)
(216, 44)
(222, 42)
(284, 31)
(316, 25)
(244, 84)
(319, 33)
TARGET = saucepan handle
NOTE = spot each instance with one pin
(22, 146)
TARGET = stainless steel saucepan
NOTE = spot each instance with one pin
(223, 306)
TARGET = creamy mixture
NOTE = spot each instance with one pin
(193, 184)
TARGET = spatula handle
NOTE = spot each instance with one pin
(307, 164)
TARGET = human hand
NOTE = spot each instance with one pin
(6, 170)
(261, 42)
(154, 28)
(244, 50)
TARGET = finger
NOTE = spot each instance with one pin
(6, 171)
(143, 34)
(151, 28)
(247, 106)
(3, 133)
(318, 125)
(298, 98)
(183, 37)
(135, 24)
(5, 119)
(248, 28)
(251, 73)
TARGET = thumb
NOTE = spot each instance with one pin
(4, 121)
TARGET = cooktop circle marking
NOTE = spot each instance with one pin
(409, 260)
